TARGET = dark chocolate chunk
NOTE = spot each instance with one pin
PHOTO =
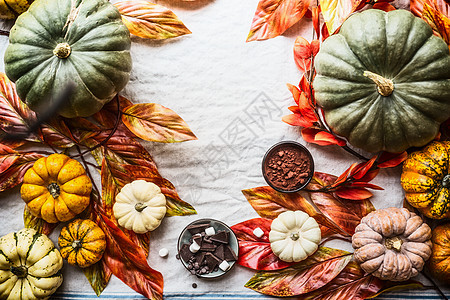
(208, 247)
(198, 239)
(212, 261)
(194, 285)
(220, 251)
(221, 237)
(229, 254)
(193, 229)
(185, 253)
(199, 256)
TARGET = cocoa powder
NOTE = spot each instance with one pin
(287, 167)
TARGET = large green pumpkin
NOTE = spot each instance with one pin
(55, 41)
(383, 81)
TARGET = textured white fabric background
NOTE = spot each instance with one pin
(233, 95)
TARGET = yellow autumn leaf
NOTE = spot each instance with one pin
(335, 12)
(149, 20)
(438, 21)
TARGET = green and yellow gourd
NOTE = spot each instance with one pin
(10, 9)
(383, 81)
(57, 41)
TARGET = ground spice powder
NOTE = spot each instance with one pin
(287, 167)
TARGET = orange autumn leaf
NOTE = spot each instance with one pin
(438, 21)
(273, 17)
(154, 122)
(353, 193)
(149, 20)
(320, 137)
(335, 12)
(304, 53)
(384, 6)
(442, 6)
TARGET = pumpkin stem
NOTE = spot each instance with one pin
(394, 243)
(385, 86)
(54, 189)
(140, 207)
(446, 181)
(294, 236)
(20, 271)
(76, 244)
(62, 50)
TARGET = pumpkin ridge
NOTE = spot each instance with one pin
(31, 12)
(424, 113)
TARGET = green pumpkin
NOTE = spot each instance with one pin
(55, 41)
(383, 81)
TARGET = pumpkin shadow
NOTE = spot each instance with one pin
(188, 5)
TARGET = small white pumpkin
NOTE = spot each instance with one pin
(29, 266)
(294, 236)
(140, 206)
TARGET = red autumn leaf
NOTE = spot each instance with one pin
(352, 283)
(107, 116)
(304, 277)
(305, 87)
(390, 160)
(269, 203)
(296, 120)
(315, 47)
(302, 54)
(13, 175)
(316, 20)
(128, 262)
(8, 157)
(294, 109)
(366, 185)
(294, 91)
(325, 33)
(442, 6)
(346, 214)
(384, 6)
(36, 223)
(370, 175)
(255, 253)
(149, 20)
(273, 17)
(320, 137)
(363, 168)
(15, 116)
(154, 122)
(344, 176)
(307, 108)
(351, 193)
(56, 133)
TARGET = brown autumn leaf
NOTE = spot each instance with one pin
(269, 203)
(154, 122)
(149, 20)
(36, 223)
(15, 116)
(273, 17)
(303, 277)
(98, 276)
(335, 12)
(55, 133)
(346, 214)
(13, 175)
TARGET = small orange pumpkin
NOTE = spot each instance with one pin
(426, 180)
(56, 188)
(82, 243)
(439, 263)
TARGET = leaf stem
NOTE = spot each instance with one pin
(435, 286)
(88, 171)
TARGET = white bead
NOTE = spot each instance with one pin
(224, 265)
(258, 232)
(194, 247)
(210, 231)
(163, 252)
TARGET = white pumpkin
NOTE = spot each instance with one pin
(29, 266)
(294, 236)
(140, 206)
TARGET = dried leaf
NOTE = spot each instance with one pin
(302, 54)
(351, 193)
(384, 6)
(442, 6)
(98, 276)
(273, 17)
(128, 262)
(154, 122)
(36, 223)
(304, 277)
(56, 134)
(296, 119)
(389, 286)
(316, 20)
(269, 203)
(13, 176)
(335, 12)
(320, 137)
(149, 20)
(255, 253)
(390, 160)
(346, 214)
(15, 116)
(352, 283)
(438, 21)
